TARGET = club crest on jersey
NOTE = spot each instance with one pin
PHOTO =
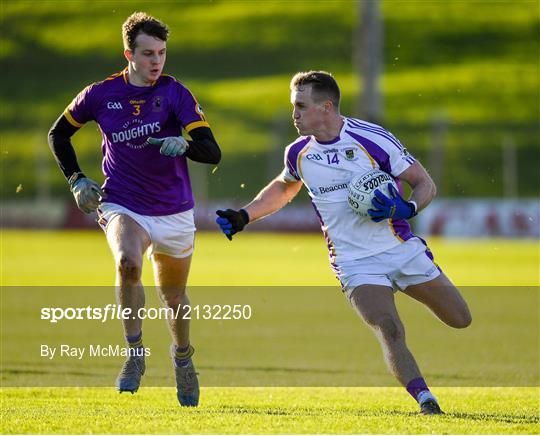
(349, 154)
(157, 104)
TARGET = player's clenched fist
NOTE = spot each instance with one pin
(171, 146)
(87, 194)
(232, 221)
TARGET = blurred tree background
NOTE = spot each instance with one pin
(460, 84)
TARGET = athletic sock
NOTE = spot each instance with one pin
(135, 345)
(419, 390)
(182, 355)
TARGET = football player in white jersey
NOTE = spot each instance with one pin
(374, 256)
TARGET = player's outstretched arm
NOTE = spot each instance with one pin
(271, 199)
(274, 196)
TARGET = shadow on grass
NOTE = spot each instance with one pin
(314, 412)
(278, 369)
(38, 372)
(300, 411)
(497, 417)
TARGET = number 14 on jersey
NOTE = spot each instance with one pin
(332, 159)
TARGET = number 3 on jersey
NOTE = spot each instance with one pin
(332, 160)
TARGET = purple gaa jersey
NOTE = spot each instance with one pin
(137, 176)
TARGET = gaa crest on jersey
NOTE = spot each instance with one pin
(114, 105)
(349, 154)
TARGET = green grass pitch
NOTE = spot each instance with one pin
(267, 411)
(506, 319)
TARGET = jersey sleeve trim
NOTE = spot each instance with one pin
(115, 75)
(285, 176)
(291, 156)
(299, 159)
(373, 128)
(196, 124)
(72, 120)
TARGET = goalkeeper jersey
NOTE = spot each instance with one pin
(138, 177)
(326, 169)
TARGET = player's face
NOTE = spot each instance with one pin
(148, 59)
(308, 116)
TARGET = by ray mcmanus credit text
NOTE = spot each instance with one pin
(92, 350)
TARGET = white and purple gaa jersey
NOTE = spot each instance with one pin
(326, 168)
(137, 176)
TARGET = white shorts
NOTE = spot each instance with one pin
(409, 263)
(173, 235)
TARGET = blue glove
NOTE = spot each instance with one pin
(171, 146)
(87, 194)
(232, 221)
(393, 207)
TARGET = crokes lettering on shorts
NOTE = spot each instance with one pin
(144, 130)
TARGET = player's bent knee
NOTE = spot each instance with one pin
(464, 320)
(390, 330)
(129, 268)
(172, 300)
(459, 318)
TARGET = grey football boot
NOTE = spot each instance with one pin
(430, 407)
(187, 383)
(130, 375)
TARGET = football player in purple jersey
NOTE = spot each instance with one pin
(371, 256)
(146, 202)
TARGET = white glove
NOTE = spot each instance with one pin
(171, 146)
(87, 194)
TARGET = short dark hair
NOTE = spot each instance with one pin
(141, 22)
(323, 85)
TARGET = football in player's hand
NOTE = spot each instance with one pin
(362, 189)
